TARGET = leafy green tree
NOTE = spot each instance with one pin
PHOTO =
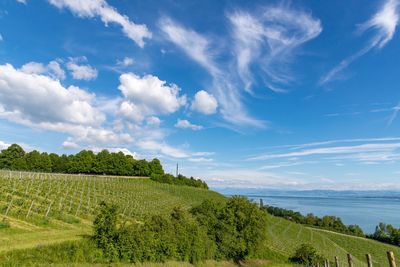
(12, 158)
(82, 162)
(156, 167)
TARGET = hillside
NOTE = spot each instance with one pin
(48, 208)
(44, 209)
(285, 237)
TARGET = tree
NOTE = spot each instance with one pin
(156, 167)
(12, 158)
(82, 162)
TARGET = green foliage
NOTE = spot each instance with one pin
(234, 231)
(332, 223)
(387, 233)
(12, 158)
(105, 230)
(4, 224)
(180, 180)
(70, 252)
(306, 255)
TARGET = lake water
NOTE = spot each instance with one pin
(365, 208)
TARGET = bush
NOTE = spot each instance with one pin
(4, 224)
(210, 231)
(306, 255)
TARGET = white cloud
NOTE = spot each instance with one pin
(4, 145)
(384, 22)
(148, 95)
(22, 2)
(153, 121)
(185, 124)
(198, 47)
(127, 61)
(39, 98)
(53, 69)
(200, 160)
(39, 101)
(81, 72)
(108, 14)
(69, 144)
(162, 148)
(124, 150)
(204, 103)
(269, 39)
(356, 149)
(1, 38)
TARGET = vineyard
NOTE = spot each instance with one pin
(57, 207)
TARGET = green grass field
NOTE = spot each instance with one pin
(47, 209)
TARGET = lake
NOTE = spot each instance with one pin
(365, 208)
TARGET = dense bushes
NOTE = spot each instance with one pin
(85, 162)
(210, 231)
(180, 180)
(332, 223)
(386, 233)
(307, 255)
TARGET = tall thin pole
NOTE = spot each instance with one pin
(177, 169)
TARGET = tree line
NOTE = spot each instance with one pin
(87, 162)
(167, 178)
(331, 223)
(222, 231)
(386, 233)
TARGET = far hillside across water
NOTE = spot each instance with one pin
(365, 208)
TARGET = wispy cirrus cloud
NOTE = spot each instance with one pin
(268, 39)
(200, 49)
(384, 24)
(108, 14)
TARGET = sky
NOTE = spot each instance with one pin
(267, 94)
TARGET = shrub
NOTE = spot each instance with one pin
(4, 224)
(306, 255)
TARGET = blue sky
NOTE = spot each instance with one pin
(277, 94)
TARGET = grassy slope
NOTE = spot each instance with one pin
(285, 237)
(138, 198)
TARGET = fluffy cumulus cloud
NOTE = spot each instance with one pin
(69, 144)
(185, 124)
(39, 98)
(52, 69)
(384, 22)
(204, 102)
(81, 71)
(108, 14)
(40, 101)
(148, 95)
